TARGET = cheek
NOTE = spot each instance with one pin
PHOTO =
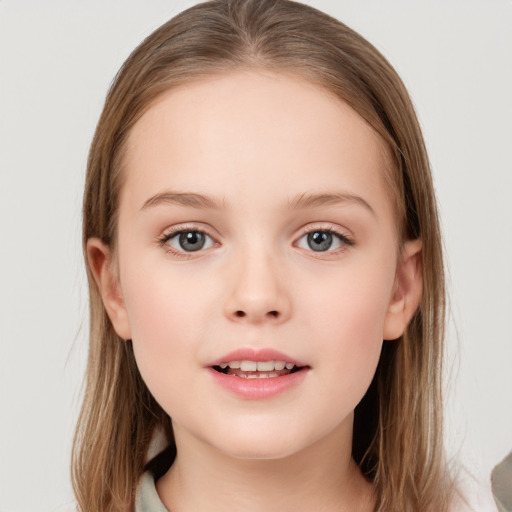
(167, 320)
(348, 315)
(352, 298)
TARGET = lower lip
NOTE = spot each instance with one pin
(258, 389)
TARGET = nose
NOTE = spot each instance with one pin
(258, 292)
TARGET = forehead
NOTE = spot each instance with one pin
(247, 133)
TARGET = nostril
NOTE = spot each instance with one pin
(242, 314)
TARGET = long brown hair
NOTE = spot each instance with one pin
(397, 432)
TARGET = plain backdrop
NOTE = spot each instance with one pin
(57, 59)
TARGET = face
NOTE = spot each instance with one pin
(255, 230)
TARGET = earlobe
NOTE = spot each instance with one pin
(102, 267)
(407, 291)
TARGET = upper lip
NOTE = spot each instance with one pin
(255, 354)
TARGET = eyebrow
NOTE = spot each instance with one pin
(189, 199)
(309, 200)
(300, 202)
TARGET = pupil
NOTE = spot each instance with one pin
(319, 240)
(192, 241)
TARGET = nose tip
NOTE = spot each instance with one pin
(258, 293)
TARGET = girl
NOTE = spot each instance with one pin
(266, 278)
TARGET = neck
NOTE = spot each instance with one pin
(322, 477)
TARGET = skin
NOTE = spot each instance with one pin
(255, 142)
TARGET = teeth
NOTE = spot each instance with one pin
(267, 375)
(265, 366)
(260, 366)
(248, 366)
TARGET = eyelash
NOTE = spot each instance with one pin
(173, 232)
(344, 239)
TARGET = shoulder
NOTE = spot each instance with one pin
(147, 499)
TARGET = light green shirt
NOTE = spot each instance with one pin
(147, 499)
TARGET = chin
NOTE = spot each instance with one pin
(259, 444)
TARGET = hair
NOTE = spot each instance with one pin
(397, 440)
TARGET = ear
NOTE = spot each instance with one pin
(103, 269)
(406, 291)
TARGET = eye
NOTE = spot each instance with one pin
(189, 240)
(323, 240)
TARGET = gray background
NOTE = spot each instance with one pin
(57, 59)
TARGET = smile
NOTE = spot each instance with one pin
(257, 373)
(256, 369)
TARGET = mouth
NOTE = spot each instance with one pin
(247, 369)
(258, 373)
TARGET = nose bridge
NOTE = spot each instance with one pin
(258, 291)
